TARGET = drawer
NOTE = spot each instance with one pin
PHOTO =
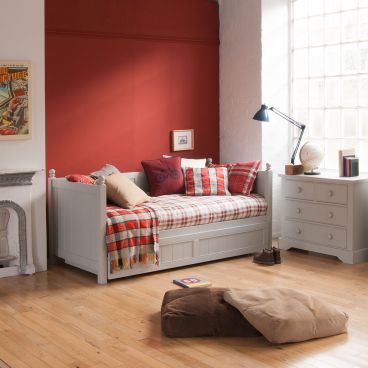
(331, 193)
(320, 234)
(327, 214)
(299, 189)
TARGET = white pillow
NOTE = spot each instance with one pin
(191, 162)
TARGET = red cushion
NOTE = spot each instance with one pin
(242, 176)
(164, 176)
(79, 178)
(206, 181)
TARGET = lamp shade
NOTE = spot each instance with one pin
(262, 114)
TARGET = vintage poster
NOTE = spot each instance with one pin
(15, 100)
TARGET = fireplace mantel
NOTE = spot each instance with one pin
(16, 177)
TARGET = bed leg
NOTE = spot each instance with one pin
(102, 266)
(102, 279)
(50, 233)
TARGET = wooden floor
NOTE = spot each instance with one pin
(62, 318)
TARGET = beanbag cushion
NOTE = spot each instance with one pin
(202, 312)
(286, 315)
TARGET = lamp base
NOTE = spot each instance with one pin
(291, 169)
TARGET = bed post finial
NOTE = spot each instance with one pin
(100, 180)
(52, 173)
(268, 166)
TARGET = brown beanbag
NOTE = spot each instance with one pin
(202, 312)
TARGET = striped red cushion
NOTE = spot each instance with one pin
(242, 176)
(206, 181)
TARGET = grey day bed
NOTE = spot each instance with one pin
(77, 223)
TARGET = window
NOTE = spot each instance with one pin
(329, 83)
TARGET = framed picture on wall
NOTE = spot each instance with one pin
(182, 140)
(15, 106)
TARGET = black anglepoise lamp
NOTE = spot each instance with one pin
(262, 115)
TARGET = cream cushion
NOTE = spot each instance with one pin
(123, 192)
(190, 162)
(285, 315)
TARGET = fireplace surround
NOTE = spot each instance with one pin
(16, 222)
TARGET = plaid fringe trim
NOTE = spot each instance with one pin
(132, 238)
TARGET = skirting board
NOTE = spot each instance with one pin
(345, 256)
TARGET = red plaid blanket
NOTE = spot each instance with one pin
(131, 237)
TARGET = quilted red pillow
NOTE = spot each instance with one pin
(242, 176)
(79, 178)
(206, 181)
(164, 176)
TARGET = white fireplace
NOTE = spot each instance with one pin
(16, 223)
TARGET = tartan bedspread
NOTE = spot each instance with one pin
(174, 211)
(132, 236)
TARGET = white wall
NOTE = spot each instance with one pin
(240, 80)
(22, 38)
(254, 69)
(275, 92)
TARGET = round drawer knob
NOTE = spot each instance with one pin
(330, 193)
(299, 231)
(298, 210)
(330, 215)
(330, 236)
(299, 189)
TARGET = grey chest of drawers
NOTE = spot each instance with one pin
(326, 214)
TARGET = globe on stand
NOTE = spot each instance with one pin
(311, 155)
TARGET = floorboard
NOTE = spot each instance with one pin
(63, 318)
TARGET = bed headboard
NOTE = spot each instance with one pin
(139, 178)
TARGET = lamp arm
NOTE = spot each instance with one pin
(288, 118)
(297, 124)
(298, 144)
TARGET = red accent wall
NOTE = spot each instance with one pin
(121, 74)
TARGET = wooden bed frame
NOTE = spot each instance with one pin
(77, 223)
